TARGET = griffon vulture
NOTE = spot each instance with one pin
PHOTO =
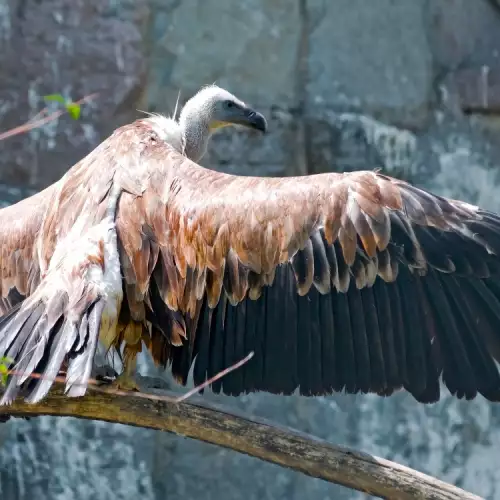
(352, 282)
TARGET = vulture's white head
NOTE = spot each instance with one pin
(210, 109)
(220, 109)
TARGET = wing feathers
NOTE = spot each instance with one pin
(303, 267)
(20, 226)
(384, 235)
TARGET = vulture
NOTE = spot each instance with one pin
(338, 282)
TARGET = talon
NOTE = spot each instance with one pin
(105, 373)
(125, 382)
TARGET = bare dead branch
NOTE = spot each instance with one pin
(38, 120)
(212, 423)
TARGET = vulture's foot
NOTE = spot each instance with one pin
(104, 373)
(126, 382)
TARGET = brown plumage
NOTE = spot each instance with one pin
(340, 281)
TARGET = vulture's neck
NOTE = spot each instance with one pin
(196, 131)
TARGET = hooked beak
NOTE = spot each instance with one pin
(256, 120)
(251, 119)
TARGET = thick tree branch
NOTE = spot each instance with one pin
(212, 423)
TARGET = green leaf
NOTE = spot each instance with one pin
(4, 370)
(55, 97)
(73, 110)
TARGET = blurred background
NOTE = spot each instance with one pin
(409, 86)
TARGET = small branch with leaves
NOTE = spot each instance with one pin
(44, 117)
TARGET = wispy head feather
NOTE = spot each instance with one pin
(148, 113)
(176, 105)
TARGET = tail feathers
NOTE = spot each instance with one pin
(80, 366)
(38, 337)
(63, 339)
(16, 325)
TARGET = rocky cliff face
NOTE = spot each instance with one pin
(412, 87)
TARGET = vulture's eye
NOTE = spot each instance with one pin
(229, 104)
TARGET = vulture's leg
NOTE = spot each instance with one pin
(126, 380)
(132, 337)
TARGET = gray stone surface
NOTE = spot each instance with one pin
(370, 56)
(347, 85)
(179, 29)
(447, 22)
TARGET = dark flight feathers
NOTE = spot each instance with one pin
(380, 338)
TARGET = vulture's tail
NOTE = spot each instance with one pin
(37, 337)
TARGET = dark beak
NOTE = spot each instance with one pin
(255, 120)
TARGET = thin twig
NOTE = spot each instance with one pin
(94, 384)
(32, 123)
(214, 378)
(42, 112)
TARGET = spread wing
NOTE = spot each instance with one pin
(60, 262)
(354, 281)
(20, 225)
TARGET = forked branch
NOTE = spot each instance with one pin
(209, 422)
